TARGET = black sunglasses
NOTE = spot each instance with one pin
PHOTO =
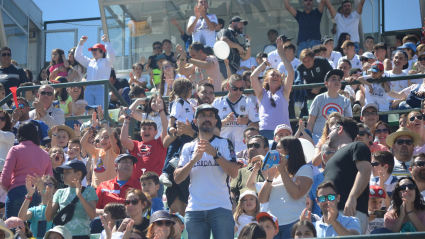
(419, 117)
(6, 54)
(255, 145)
(156, 47)
(407, 186)
(134, 202)
(166, 223)
(364, 59)
(376, 164)
(46, 93)
(234, 88)
(402, 141)
(94, 49)
(96, 141)
(381, 131)
(419, 164)
(421, 59)
(361, 133)
(273, 102)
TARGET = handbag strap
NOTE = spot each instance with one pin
(75, 200)
(231, 107)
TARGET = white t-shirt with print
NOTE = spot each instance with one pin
(379, 96)
(248, 63)
(274, 59)
(355, 62)
(201, 32)
(182, 110)
(209, 186)
(396, 86)
(281, 68)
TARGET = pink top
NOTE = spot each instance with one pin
(378, 147)
(390, 218)
(52, 68)
(23, 159)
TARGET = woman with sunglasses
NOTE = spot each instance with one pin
(381, 132)
(98, 68)
(287, 185)
(136, 205)
(169, 74)
(408, 208)
(415, 123)
(273, 95)
(161, 226)
(35, 215)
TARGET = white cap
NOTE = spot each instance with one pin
(369, 105)
(247, 192)
(369, 55)
(282, 126)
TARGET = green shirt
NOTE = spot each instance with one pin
(80, 222)
(238, 184)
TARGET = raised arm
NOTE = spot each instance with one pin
(250, 183)
(291, 73)
(176, 24)
(359, 8)
(184, 70)
(191, 26)
(290, 8)
(211, 25)
(321, 5)
(84, 142)
(255, 81)
(331, 9)
(78, 54)
(108, 129)
(125, 141)
(110, 52)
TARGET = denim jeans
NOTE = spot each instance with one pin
(94, 95)
(285, 231)
(199, 224)
(15, 199)
(307, 44)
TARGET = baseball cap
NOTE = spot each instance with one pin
(282, 126)
(326, 39)
(246, 193)
(160, 215)
(177, 215)
(88, 107)
(73, 164)
(405, 54)
(98, 46)
(238, 19)
(369, 105)
(368, 55)
(376, 191)
(337, 72)
(284, 38)
(205, 107)
(122, 156)
(268, 215)
(63, 231)
(14, 222)
(377, 66)
(160, 57)
(240, 161)
(407, 45)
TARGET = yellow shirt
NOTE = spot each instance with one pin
(103, 166)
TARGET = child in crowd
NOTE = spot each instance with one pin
(137, 78)
(331, 55)
(368, 44)
(74, 152)
(178, 225)
(150, 187)
(377, 92)
(35, 215)
(181, 110)
(63, 98)
(57, 156)
(60, 135)
(73, 173)
(382, 168)
(58, 60)
(402, 122)
(247, 210)
(380, 51)
(376, 200)
(410, 49)
(269, 223)
(111, 212)
(2, 95)
(350, 54)
(303, 229)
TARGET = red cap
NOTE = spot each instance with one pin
(377, 66)
(98, 46)
(376, 191)
(268, 215)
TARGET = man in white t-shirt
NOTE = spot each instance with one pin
(410, 49)
(273, 57)
(399, 60)
(237, 112)
(350, 54)
(202, 26)
(246, 65)
(289, 51)
(210, 161)
(347, 21)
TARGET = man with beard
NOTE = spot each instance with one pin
(210, 161)
(417, 170)
(237, 51)
(257, 145)
(403, 142)
(115, 190)
(350, 170)
(20, 115)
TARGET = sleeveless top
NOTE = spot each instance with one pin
(270, 116)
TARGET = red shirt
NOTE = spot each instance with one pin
(110, 191)
(150, 155)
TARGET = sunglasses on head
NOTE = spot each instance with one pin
(407, 186)
(273, 102)
(6, 54)
(330, 197)
(421, 58)
(419, 164)
(255, 145)
(20, 106)
(46, 93)
(419, 117)
(381, 131)
(166, 223)
(374, 164)
(134, 202)
(402, 141)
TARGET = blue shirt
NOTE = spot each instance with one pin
(324, 230)
(121, 182)
(42, 130)
(318, 179)
(38, 215)
(157, 205)
(308, 25)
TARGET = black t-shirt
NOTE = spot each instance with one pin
(153, 64)
(170, 58)
(121, 84)
(316, 74)
(142, 227)
(342, 171)
(234, 57)
(12, 76)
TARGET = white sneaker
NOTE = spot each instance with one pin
(174, 162)
(164, 180)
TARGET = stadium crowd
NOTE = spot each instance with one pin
(196, 167)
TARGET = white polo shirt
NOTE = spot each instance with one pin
(281, 68)
(355, 62)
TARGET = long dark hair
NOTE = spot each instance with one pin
(419, 202)
(252, 231)
(8, 125)
(39, 75)
(60, 53)
(162, 83)
(303, 223)
(341, 40)
(28, 132)
(62, 93)
(148, 107)
(294, 149)
(76, 63)
(182, 87)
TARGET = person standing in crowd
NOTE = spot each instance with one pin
(7, 138)
(152, 65)
(326, 103)
(287, 185)
(350, 170)
(237, 51)
(202, 26)
(203, 66)
(168, 76)
(347, 21)
(10, 75)
(272, 35)
(403, 142)
(44, 108)
(308, 22)
(23, 159)
(76, 72)
(209, 208)
(237, 112)
(98, 68)
(273, 95)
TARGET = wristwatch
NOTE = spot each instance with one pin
(217, 156)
